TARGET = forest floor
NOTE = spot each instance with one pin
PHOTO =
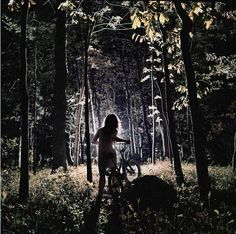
(65, 203)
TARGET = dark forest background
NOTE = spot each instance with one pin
(166, 68)
(116, 81)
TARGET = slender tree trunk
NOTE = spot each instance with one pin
(133, 121)
(82, 148)
(153, 110)
(128, 102)
(180, 138)
(145, 118)
(200, 154)
(87, 129)
(172, 128)
(234, 155)
(59, 125)
(77, 126)
(163, 114)
(93, 121)
(35, 110)
(24, 165)
(92, 109)
(189, 130)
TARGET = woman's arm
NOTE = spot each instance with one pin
(95, 138)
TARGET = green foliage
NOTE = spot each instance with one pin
(60, 202)
(57, 202)
(9, 151)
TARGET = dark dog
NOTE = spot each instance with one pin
(150, 192)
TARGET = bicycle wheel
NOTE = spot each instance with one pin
(115, 183)
(133, 170)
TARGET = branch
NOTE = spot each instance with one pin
(116, 5)
(186, 20)
(112, 29)
(227, 2)
(49, 1)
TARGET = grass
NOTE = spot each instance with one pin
(61, 203)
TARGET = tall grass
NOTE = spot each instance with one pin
(58, 203)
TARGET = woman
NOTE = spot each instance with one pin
(105, 137)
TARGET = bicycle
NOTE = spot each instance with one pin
(126, 171)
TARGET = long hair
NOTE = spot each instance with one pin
(111, 123)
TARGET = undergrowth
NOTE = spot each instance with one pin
(61, 203)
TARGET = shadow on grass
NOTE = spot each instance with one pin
(114, 223)
(91, 219)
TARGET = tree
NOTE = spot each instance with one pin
(24, 162)
(170, 114)
(59, 124)
(24, 171)
(200, 154)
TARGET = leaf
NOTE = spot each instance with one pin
(145, 78)
(183, 5)
(156, 112)
(158, 119)
(133, 16)
(208, 23)
(152, 107)
(137, 38)
(136, 23)
(231, 221)
(217, 212)
(156, 16)
(197, 10)
(157, 97)
(169, 50)
(163, 18)
(141, 39)
(151, 33)
(133, 36)
(32, 2)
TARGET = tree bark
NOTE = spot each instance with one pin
(234, 155)
(128, 103)
(172, 128)
(59, 124)
(145, 118)
(163, 114)
(87, 128)
(35, 110)
(200, 154)
(77, 127)
(153, 115)
(24, 164)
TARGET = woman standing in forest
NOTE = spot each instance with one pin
(105, 137)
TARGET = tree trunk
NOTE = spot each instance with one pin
(77, 127)
(189, 145)
(128, 104)
(59, 124)
(24, 164)
(94, 152)
(145, 118)
(35, 109)
(200, 154)
(167, 150)
(87, 129)
(153, 115)
(172, 128)
(234, 155)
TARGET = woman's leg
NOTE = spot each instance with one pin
(102, 182)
